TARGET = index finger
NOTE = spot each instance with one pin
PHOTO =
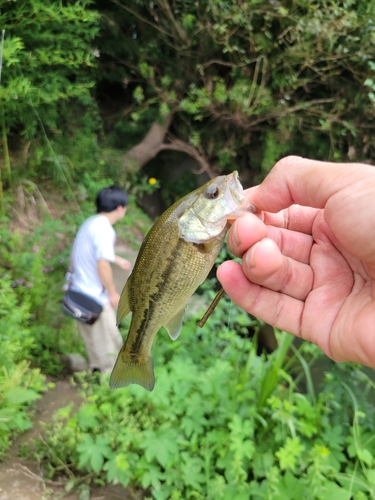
(249, 229)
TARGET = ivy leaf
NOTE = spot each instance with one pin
(334, 437)
(193, 471)
(332, 491)
(88, 417)
(289, 453)
(365, 456)
(189, 426)
(291, 488)
(152, 477)
(117, 468)
(92, 452)
(160, 444)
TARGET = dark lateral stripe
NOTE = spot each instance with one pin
(136, 346)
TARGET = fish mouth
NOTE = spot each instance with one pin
(236, 199)
(236, 203)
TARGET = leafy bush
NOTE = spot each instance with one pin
(34, 88)
(208, 431)
(19, 386)
(32, 267)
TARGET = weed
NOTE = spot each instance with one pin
(222, 423)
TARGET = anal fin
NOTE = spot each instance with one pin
(174, 325)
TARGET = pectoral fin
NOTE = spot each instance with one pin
(124, 305)
(174, 325)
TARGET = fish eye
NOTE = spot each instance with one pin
(212, 192)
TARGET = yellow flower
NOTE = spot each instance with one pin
(152, 181)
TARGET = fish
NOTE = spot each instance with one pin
(175, 258)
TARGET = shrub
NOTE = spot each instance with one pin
(207, 431)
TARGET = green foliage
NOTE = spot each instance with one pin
(48, 68)
(370, 83)
(19, 385)
(32, 267)
(33, 329)
(247, 82)
(202, 433)
(46, 60)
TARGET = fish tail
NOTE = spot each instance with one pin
(134, 371)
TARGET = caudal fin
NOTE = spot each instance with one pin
(139, 372)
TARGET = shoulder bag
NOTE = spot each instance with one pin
(81, 307)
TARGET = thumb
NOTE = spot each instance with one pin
(346, 192)
(307, 182)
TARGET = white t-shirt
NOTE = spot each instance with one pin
(95, 240)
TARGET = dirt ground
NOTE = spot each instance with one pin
(21, 479)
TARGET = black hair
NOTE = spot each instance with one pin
(109, 198)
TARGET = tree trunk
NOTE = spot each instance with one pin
(153, 143)
(149, 147)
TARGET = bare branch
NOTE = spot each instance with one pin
(226, 63)
(190, 150)
(246, 123)
(177, 26)
(145, 20)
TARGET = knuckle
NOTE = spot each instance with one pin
(277, 311)
(287, 162)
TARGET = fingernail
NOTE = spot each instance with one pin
(248, 257)
(235, 237)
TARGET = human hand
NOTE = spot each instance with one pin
(123, 263)
(308, 258)
(114, 299)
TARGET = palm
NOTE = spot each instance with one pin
(340, 301)
(297, 276)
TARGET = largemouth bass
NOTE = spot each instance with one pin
(174, 259)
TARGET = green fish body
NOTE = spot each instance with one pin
(175, 258)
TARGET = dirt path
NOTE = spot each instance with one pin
(21, 479)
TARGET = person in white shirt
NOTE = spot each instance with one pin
(91, 258)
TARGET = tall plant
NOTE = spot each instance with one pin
(48, 58)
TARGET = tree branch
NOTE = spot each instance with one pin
(137, 15)
(149, 147)
(247, 124)
(190, 150)
(164, 5)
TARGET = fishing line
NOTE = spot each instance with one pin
(40, 121)
(56, 160)
(1, 52)
(1, 67)
(229, 315)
